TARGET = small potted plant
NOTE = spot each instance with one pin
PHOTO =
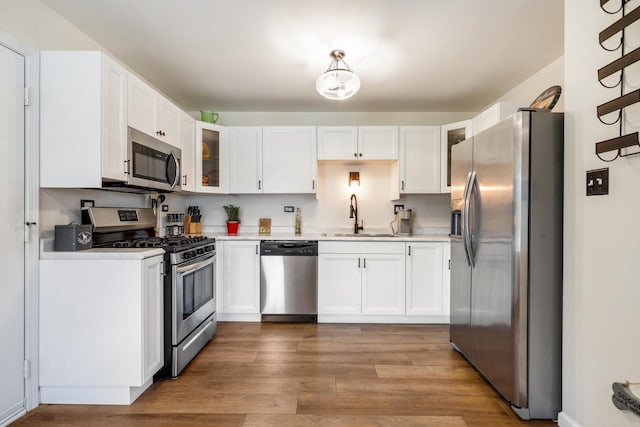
(233, 218)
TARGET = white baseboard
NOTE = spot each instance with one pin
(565, 420)
(9, 418)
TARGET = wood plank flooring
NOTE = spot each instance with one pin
(269, 374)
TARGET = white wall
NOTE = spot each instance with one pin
(528, 90)
(601, 286)
(32, 26)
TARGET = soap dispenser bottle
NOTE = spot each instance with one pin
(298, 222)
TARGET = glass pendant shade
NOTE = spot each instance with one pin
(338, 82)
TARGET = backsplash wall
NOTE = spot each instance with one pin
(326, 210)
(62, 205)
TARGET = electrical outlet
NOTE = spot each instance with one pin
(598, 182)
(288, 209)
(165, 208)
(396, 208)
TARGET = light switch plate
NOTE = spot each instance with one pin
(288, 208)
(598, 182)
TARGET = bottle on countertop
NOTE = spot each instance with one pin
(298, 221)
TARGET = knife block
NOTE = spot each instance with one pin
(192, 227)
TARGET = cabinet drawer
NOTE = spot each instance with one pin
(348, 247)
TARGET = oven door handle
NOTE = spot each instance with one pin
(195, 266)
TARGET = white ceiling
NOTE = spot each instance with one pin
(265, 55)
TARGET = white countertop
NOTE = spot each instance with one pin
(331, 237)
(47, 252)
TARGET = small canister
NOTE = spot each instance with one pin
(73, 237)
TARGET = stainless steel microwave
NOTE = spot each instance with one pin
(152, 164)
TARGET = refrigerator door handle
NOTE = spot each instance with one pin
(473, 188)
(465, 217)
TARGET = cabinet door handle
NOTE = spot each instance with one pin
(402, 185)
(449, 264)
(257, 250)
(313, 184)
(409, 250)
(364, 263)
(355, 154)
(358, 262)
(126, 166)
(360, 154)
(259, 184)
(185, 179)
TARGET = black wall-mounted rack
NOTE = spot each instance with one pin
(618, 104)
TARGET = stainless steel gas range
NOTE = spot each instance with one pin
(189, 278)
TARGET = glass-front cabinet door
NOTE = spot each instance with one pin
(450, 135)
(211, 158)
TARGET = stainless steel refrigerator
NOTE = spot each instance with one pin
(506, 258)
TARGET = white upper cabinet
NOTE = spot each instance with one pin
(187, 131)
(245, 159)
(337, 142)
(211, 158)
(357, 143)
(82, 119)
(289, 159)
(378, 142)
(419, 159)
(450, 135)
(151, 113)
(141, 100)
(167, 119)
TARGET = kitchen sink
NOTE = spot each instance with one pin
(358, 235)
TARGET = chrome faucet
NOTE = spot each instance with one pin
(353, 213)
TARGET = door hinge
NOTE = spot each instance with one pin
(27, 97)
(27, 369)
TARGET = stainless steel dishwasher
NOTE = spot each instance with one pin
(289, 280)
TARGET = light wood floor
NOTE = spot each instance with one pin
(268, 374)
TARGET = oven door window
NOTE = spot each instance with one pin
(197, 289)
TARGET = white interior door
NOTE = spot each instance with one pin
(12, 230)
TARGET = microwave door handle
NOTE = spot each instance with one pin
(176, 179)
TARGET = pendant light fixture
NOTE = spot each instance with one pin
(339, 81)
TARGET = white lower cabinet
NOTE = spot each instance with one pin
(101, 329)
(424, 278)
(446, 279)
(359, 279)
(240, 280)
(339, 283)
(383, 282)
